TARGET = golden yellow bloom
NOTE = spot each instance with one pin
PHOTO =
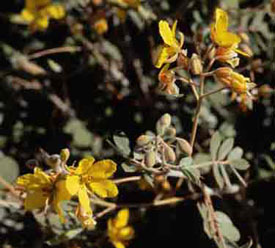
(38, 12)
(118, 230)
(42, 190)
(101, 26)
(220, 34)
(237, 82)
(172, 47)
(91, 177)
(167, 81)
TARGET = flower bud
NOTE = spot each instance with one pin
(212, 53)
(165, 120)
(101, 26)
(246, 49)
(171, 132)
(184, 146)
(195, 64)
(64, 155)
(150, 159)
(244, 37)
(183, 60)
(143, 140)
(169, 154)
(265, 90)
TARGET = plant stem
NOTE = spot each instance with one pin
(127, 179)
(213, 92)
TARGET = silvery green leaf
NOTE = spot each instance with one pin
(227, 228)
(9, 169)
(225, 148)
(214, 145)
(236, 153)
(122, 142)
(128, 168)
(240, 164)
(185, 162)
(217, 175)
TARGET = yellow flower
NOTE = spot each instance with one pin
(38, 12)
(118, 230)
(93, 177)
(42, 190)
(172, 47)
(101, 26)
(167, 81)
(220, 34)
(237, 82)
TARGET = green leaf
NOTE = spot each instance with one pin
(9, 169)
(240, 164)
(214, 145)
(236, 153)
(225, 148)
(227, 228)
(128, 168)
(185, 162)
(122, 142)
(217, 175)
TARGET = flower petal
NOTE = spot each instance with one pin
(55, 11)
(166, 33)
(118, 244)
(221, 18)
(84, 165)
(104, 188)
(84, 200)
(126, 233)
(27, 15)
(122, 218)
(72, 184)
(162, 57)
(102, 169)
(35, 199)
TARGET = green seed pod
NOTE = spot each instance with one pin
(171, 131)
(196, 65)
(184, 146)
(169, 154)
(150, 159)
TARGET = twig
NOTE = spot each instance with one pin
(127, 179)
(54, 51)
(105, 211)
(213, 92)
(213, 218)
(9, 187)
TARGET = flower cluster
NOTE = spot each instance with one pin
(224, 48)
(49, 189)
(38, 12)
